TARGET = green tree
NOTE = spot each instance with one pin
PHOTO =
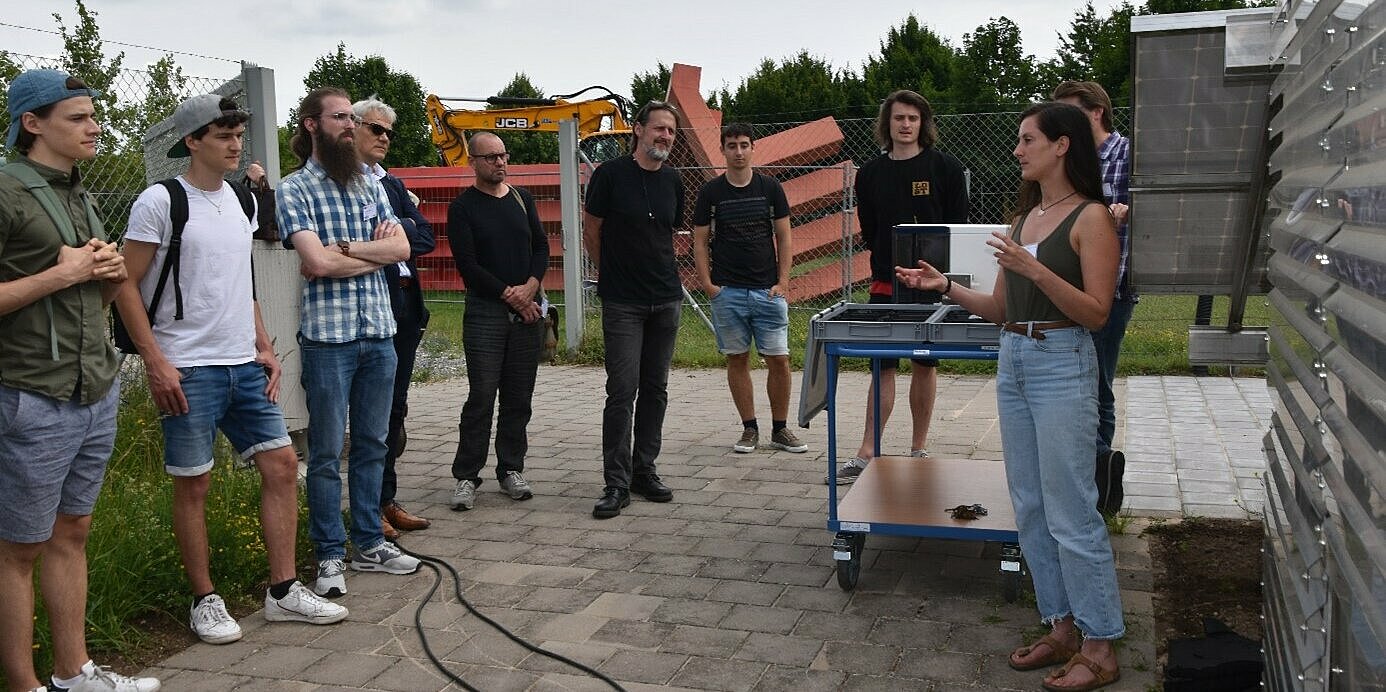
(84, 56)
(527, 147)
(993, 73)
(912, 56)
(650, 86)
(372, 76)
(803, 87)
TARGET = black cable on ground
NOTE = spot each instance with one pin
(433, 563)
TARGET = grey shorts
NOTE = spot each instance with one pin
(53, 458)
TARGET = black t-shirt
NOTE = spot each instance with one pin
(742, 229)
(928, 188)
(496, 242)
(639, 210)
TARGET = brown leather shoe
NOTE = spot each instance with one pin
(400, 518)
(391, 533)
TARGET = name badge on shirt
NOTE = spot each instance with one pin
(368, 211)
(1107, 190)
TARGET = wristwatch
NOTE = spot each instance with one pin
(345, 247)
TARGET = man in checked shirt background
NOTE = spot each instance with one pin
(1114, 154)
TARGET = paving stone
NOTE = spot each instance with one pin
(790, 679)
(341, 668)
(745, 592)
(682, 611)
(719, 674)
(761, 619)
(704, 641)
(779, 649)
(643, 666)
(860, 657)
(949, 667)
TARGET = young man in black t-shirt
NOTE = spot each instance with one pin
(911, 182)
(633, 205)
(744, 217)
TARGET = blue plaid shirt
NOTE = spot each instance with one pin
(1115, 155)
(337, 310)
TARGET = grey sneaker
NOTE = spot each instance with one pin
(331, 582)
(848, 471)
(211, 623)
(516, 486)
(463, 496)
(919, 453)
(302, 605)
(98, 679)
(786, 440)
(750, 437)
(385, 557)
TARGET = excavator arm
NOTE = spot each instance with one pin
(602, 122)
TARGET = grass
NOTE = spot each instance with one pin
(134, 571)
(1156, 343)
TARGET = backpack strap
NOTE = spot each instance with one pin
(178, 215)
(57, 213)
(244, 196)
(515, 194)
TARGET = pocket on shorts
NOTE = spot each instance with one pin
(9, 408)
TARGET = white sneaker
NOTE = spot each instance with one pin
(463, 496)
(98, 679)
(385, 557)
(212, 624)
(331, 582)
(848, 471)
(302, 605)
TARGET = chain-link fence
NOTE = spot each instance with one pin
(130, 106)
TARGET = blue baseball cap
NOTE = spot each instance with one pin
(35, 89)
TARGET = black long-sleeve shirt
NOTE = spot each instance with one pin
(927, 188)
(496, 241)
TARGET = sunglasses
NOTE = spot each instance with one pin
(378, 130)
(493, 159)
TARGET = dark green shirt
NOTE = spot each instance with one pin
(1025, 302)
(29, 244)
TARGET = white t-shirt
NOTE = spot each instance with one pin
(218, 325)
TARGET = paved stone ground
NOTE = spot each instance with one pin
(732, 585)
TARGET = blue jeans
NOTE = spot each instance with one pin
(356, 379)
(639, 347)
(1046, 395)
(1107, 341)
(502, 358)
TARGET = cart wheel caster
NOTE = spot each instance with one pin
(847, 549)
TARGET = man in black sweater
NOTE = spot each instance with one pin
(633, 205)
(910, 182)
(501, 252)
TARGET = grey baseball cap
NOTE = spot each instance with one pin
(194, 114)
(35, 89)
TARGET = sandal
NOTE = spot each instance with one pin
(1059, 653)
(1101, 678)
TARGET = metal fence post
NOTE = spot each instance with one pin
(569, 198)
(264, 133)
(849, 209)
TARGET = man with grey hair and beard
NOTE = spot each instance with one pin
(373, 139)
(340, 223)
(634, 203)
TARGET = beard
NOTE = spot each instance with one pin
(338, 157)
(657, 153)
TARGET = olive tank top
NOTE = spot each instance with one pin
(1025, 302)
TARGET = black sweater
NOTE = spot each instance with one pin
(495, 242)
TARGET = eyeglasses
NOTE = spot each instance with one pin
(378, 130)
(342, 117)
(493, 159)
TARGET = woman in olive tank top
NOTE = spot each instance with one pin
(1059, 264)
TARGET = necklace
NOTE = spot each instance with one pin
(214, 202)
(1055, 203)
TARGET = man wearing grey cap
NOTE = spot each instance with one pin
(213, 367)
(58, 389)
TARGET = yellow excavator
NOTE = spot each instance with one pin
(603, 122)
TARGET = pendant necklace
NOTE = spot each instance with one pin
(213, 202)
(1043, 208)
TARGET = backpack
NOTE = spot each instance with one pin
(48, 199)
(178, 215)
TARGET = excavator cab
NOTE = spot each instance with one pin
(600, 147)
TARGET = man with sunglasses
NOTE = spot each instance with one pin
(340, 223)
(502, 252)
(373, 138)
(634, 203)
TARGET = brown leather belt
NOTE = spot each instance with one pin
(406, 282)
(1036, 330)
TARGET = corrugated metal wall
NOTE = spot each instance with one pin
(1325, 567)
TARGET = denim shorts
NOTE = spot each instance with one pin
(227, 397)
(740, 313)
(53, 458)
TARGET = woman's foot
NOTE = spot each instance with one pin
(1092, 668)
(1053, 649)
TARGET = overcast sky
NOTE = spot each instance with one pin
(474, 47)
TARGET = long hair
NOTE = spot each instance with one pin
(310, 107)
(1056, 120)
(928, 130)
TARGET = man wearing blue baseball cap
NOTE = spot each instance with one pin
(58, 387)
